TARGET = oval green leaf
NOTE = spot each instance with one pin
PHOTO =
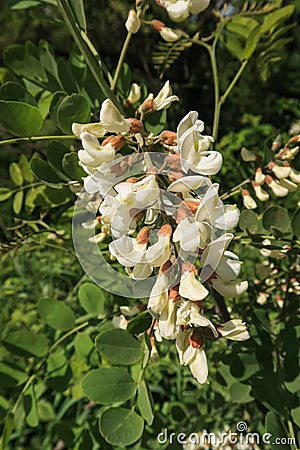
(121, 426)
(91, 298)
(277, 217)
(18, 202)
(296, 224)
(5, 194)
(15, 174)
(25, 169)
(108, 385)
(26, 343)
(119, 346)
(73, 108)
(145, 402)
(248, 221)
(275, 427)
(56, 314)
(43, 171)
(20, 119)
(72, 168)
(140, 323)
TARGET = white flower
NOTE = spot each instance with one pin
(179, 10)
(235, 330)
(134, 94)
(159, 294)
(192, 355)
(248, 201)
(170, 34)
(120, 322)
(164, 98)
(295, 176)
(279, 171)
(189, 183)
(96, 129)
(277, 188)
(132, 23)
(167, 321)
(93, 154)
(113, 121)
(288, 184)
(194, 147)
(212, 256)
(247, 155)
(191, 235)
(189, 314)
(229, 288)
(191, 288)
(260, 193)
(259, 176)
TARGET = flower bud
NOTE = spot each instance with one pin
(259, 176)
(279, 171)
(134, 94)
(132, 23)
(248, 201)
(260, 193)
(117, 142)
(289, 185)
(278, 190)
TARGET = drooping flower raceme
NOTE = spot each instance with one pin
(168, 222)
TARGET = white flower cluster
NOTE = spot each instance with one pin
(169, 222)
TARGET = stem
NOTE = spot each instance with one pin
(92, 62)
(234, 81)
(234, 190)
(33, 376)
(37, 138)
(213, 60)
(292, 434)
(121, 60)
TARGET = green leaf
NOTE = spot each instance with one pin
(121, 426)
(45, 411)
(108, 385)
(59, 372)
(26, 343)
(277, 217)
(5, 194)
(72, 168)
(73, 108)
(240, 393)
(25, 169)
(6, 433)
(25, 4)
(24, 61)
(18, 202)
(56, 314)
(275, 427)
(156, 121)
(56, 196)
(83, 344)
(20, 119)
(274, 18)
(30, 407)
(43, 172)
(56, 100)
(79, 14)
(119, 346)
(11, 375)
(14, 91)
(249, 221)
(140, 323)
(15, 174)
(91, 298)
(241, 26)
(252, 42)
(296, 224)
(295, 413)
(145, 402)
(233, 44)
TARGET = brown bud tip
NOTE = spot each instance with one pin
(269, 179)
(193, 206)
(182, 213)
(166, 266)
(174, 175)
(271, 165)
(165, 230)
(245, 193)
(148, 106)
(169, 137)
(152, 171)
(132, 180)
(143, 236)
(196, 338)
(116, 141)
(157, 25)
(174, 293)
(294, 139)
(136, 126)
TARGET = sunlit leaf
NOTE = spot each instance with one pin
(121, 426)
